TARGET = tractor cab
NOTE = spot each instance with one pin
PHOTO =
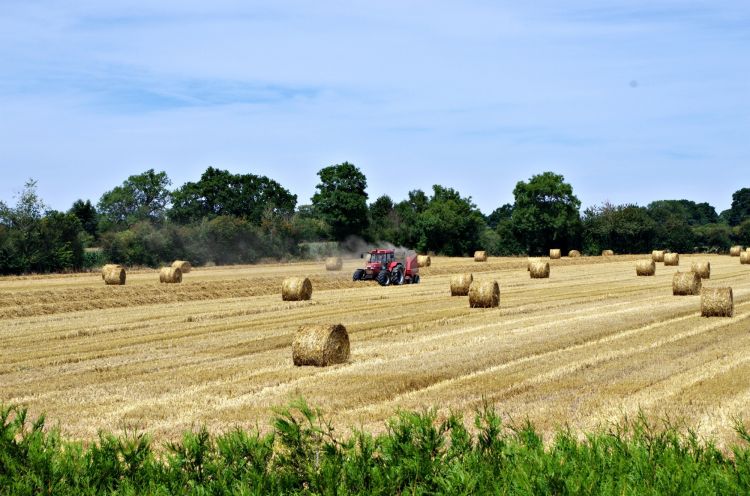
(379, 259)
(383, 267)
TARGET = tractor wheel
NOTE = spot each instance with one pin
(384, 277)
(397, 276)
(358, 275)
(415, 279)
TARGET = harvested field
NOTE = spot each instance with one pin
(582, 349)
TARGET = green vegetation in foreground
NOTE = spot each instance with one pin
(418, 454)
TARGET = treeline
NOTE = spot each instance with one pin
(227, 218)
(416, 454)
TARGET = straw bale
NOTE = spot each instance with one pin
(686, 284)
(296, 289)
(460, 284)
(484, 294)
(334, 263)
(115, 277)
(672, 259)
(170, 275)
(717, 302)
(539, 270)
(645, 267)
(320, 345)
(703, 269)
(183, 265)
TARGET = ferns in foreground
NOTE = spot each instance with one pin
(418, 454)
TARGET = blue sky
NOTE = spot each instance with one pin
(631, 101)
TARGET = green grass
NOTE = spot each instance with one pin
(416, 455)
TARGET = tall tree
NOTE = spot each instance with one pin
(673, 225)
(622, 228)
(87, 215)
(546, 214)
(140, 197)
(33, 239)
(219, 192)
(383, 219)
(450, 224)
(740, 208)
(341, 200)
(499, 215)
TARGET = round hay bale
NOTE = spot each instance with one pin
(539, 270)
(296, 289)
(745, 257)
(657, 255)
(115, 277)
(334, 263)
(735, 251)
(460, 284)
(607, 253)
(107, 267)
(170, 275)
(672, 259)
(480, 256)
(183, 265)
(703, 269)
(424, 260)
(530, 261)
(320, 345)
(555, 254)
(484, 294)
(686, 284)
(717, 302)
(574, 253)
(645, 267)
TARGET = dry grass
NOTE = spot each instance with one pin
(582, 349)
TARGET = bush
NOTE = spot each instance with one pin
(417, 454)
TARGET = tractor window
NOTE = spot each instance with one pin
(381, 257)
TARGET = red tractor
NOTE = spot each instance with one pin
(383, 266)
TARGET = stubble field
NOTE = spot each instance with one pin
(582, 349)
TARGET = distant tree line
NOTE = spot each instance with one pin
(227, 218)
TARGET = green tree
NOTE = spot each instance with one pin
(140, 197)
(383, 219)
(407, 213)
(87, 215)
(60, 243)
(341, 200)
(35, 240)
(450, 225)
(622, 228)
(219, 192)
(499, 215)
(740, 208)
(545, 214)
(673, 228)
(741, 233)
(714, 238)
(22, 222)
